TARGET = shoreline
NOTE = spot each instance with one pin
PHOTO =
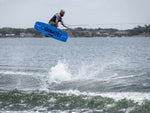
(135, 36)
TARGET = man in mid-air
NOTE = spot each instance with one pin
(57, 18)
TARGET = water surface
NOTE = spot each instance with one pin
(82, 75)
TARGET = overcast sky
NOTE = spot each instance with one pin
(120, 14)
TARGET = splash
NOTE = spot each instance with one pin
(59, 73)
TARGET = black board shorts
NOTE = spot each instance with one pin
(53, 23)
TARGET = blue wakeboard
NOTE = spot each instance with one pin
(51, 31)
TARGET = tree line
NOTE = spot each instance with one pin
(139, 30)
(17, 31)
(79, 32)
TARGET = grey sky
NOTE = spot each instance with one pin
(120, 14)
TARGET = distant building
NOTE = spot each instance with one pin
(29, 35)
(9, 35)
(87, 33)
(121, 33)
(1, 35)
(22, 34)
(26, 35)
(103, 33)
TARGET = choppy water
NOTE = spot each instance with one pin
(103, 75)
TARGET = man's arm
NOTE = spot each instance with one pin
(63, 23)
(57, 19)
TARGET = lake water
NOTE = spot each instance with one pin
(100, 75)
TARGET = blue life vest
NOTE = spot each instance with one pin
(54, 18)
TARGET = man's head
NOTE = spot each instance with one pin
(62, 12)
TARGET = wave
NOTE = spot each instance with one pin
(72, 101)
(15, 73)
(87, 77)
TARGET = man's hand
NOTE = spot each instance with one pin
(57, 28)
